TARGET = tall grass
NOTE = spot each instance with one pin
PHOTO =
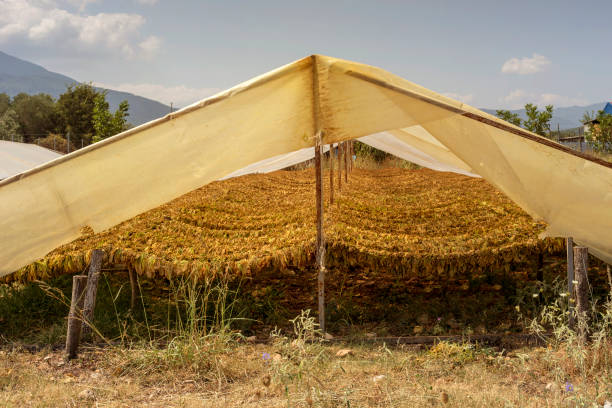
(197, 337)
(569, 356)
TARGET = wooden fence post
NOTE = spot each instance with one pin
(331, 173)
(569, 245)
(91, 291)
(75, 316)
(581, 266)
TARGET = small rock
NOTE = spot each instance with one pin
(371, 335)
(378, 378)
(344, 352)
(607, 404)
(251, 339)
(276, 357)
(87, 394)
(417, 329)
(94, 375)
(328, 336)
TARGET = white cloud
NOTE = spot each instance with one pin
(150, 45)
(81, 4)
(43, 24)
(465, 98)
(525, 65)
(519, 97)
(180, 95)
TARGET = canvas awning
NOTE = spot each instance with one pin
(16, 157)
(279, 113)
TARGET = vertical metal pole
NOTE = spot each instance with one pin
(320, 250)
(569, 246)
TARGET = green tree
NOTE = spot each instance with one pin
(9, 126)
(105, 123)
(599, 134)
(76, 108)
(37, 115)
(509, 117)
(5, 102)
(538, 122)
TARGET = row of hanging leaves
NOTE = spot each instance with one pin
(414, 223)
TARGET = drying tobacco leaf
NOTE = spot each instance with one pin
(416, 223)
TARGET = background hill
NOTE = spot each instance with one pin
(17, 75)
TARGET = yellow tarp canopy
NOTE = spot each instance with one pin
(279, 113)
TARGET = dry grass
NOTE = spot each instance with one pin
(300, 375)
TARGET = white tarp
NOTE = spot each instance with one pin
(279, 113)
(279, 162)
(16, 157)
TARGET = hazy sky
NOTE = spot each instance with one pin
(486, 53)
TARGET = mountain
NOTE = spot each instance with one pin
(17, 75)
(566, 118)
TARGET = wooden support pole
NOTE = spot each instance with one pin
(346, 158)
(339, 149)
(320, 254)
(331, 173)
(91, 291)
(134, 287)
(609, 277)
(540, 267)
(75, 316)
(569, 246)
(581, 266)
(320, 250)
